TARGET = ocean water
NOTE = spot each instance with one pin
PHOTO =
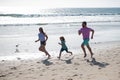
(20, 27)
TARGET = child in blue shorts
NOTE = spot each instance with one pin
(64, 47)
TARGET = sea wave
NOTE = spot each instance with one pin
(55, 14)
(23, 24)
(5, 25)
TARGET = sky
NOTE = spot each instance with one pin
(60, 3)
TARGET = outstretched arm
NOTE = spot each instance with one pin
(37, 40)
(59, 43)
(79, 33)
(92, 33)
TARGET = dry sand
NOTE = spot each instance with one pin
(104, 66)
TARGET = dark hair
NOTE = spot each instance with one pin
(84, 22)
(62, 38)
(41, 30)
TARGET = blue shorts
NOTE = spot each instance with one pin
(85, 42)
(64, 50)
(43, 43)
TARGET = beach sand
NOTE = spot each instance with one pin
(104, 66)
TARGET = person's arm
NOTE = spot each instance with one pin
(79, 32)
(37, 40)
(59, 43)
(92, 33)
(46, 37)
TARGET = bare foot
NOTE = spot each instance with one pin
(49, 56)
(58, 58)
(71, 53)
(85, 55)
(92, 55)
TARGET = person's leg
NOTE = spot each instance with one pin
(41, 48)
(68, 51)
(90, 50)
(83, 48)
(44, 50)
(60, 53)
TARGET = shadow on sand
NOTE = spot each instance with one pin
(99, 64)
(68, 61)
(46, 62)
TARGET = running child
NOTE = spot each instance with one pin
(64, 47)
(42, 37)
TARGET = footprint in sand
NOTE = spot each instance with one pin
(38, 67)
(75, 75)
(54, 74)
(76, 64)
(54, 70)
(3, 60)
(18, 58)
(70, 79)
(3, 75)
(76, 68)
(13, 68)
(41, 74)
(38, 62)
(20, 73)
